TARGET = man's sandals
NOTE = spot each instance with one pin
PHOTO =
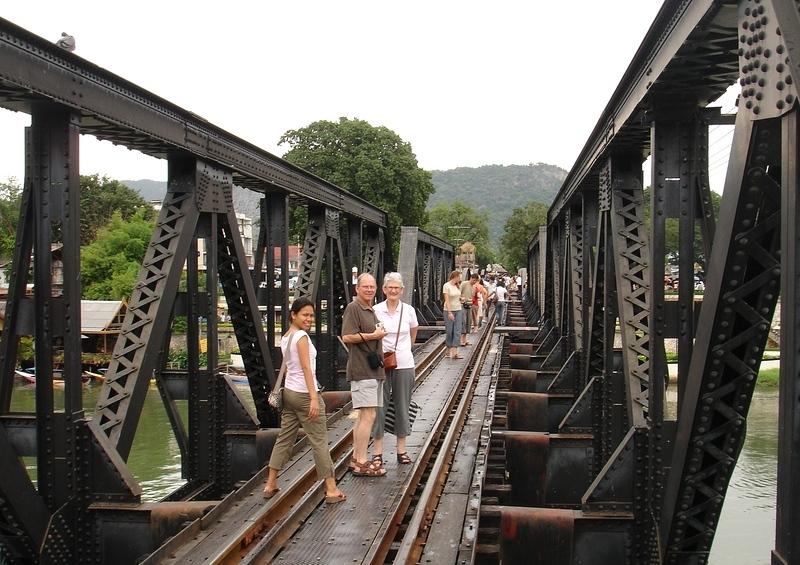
(366, 469)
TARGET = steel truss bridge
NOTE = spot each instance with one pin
(599, 264)
(86, 504)
(601, 474)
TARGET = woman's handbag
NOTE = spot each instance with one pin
(390, 357)
(275, 397)
(389, 360)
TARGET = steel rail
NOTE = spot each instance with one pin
(412, 544)
(380, 548)
(283, 508)
(274, 523)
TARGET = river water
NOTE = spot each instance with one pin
(746, 531)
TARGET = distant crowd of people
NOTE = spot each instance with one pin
(380, 369)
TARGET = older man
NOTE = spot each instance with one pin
(364, 370)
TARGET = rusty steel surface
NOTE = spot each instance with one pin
(452, 533)
(520, 524)
(416, 534)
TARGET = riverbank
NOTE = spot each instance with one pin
(767, 374)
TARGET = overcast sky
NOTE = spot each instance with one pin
(466, 83)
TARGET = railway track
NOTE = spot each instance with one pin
(243, 519)
(439, 509)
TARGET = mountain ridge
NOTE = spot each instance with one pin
(497, 189)
(492, 189)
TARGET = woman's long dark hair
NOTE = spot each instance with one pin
(300, 303)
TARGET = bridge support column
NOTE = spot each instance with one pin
(787, 540)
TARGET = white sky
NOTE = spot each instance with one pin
(466, 83)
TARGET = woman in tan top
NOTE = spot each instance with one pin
(453, 313)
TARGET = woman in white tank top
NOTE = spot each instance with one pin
(302, 405)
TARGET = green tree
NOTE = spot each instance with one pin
(457, 223)
(10, 198)
(519, 229)
(110, 264)
(101, 197)
(372, 162)
(672, 231)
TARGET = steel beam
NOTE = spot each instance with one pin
(631, 257)
(114, 109)
(9, 340)
(676, 24)
(740, 298)
(787, 541)
(135, 356)
(273, 235)
(241, 300)
(308, 279)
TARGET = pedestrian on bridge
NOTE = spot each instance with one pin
(479, 295)
(302, 404)
(362, 332)
(400, 321)
(466, 305)
(501, 295)
(453, 313)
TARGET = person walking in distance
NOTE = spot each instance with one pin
(453, 313)
(400, 320)
(479, 294)
(466, 306)
(362, 333)
(302, 404)
(502, 302)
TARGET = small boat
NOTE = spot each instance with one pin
(58, 379)
(94, 376)
(237, 378)
(29, 378)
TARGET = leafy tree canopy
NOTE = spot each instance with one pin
(101, 197)
(520, 227)
(110, 264)
(371, 162)
(10, 197)
(458, 223)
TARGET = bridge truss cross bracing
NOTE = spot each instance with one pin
(655, 484)
(85, 505)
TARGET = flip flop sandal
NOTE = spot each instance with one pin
(368, 469)
(377, 459)
(336, 498)
(270, 493)
(404, 459)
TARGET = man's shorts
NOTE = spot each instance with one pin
(367, 393)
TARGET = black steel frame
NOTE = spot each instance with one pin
(82, 461)
(671, 475)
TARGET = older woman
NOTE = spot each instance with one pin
(400, 321)
(453, 313)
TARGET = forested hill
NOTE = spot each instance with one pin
(497, 189)
(494, 189)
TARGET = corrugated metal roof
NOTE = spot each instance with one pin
(97, 315)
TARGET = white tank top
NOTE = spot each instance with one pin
(295, 379)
